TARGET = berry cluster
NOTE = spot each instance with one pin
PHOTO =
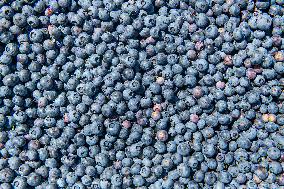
(146, 94)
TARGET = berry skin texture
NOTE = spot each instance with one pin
(162, 135)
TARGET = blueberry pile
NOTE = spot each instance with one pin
(146, 94)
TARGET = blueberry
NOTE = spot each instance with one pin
(147, 91)
(210, 178)
(34, 179)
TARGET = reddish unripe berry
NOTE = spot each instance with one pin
(265, 117)
(228, 60)
(271, 118)
(117, 164)
(247, 63)
(199, 45)
(156, 115)
(150, 40)
(279, 56)
(194, 118)
(192, 28)
(256, 179)
(49, 11)
(162, 135)
(126, 124)
(160, 80)
(251, 74)
(220, 85)
(28, 137)
(157, 107)
(197, 92)
(221, 30)
(65, 117)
